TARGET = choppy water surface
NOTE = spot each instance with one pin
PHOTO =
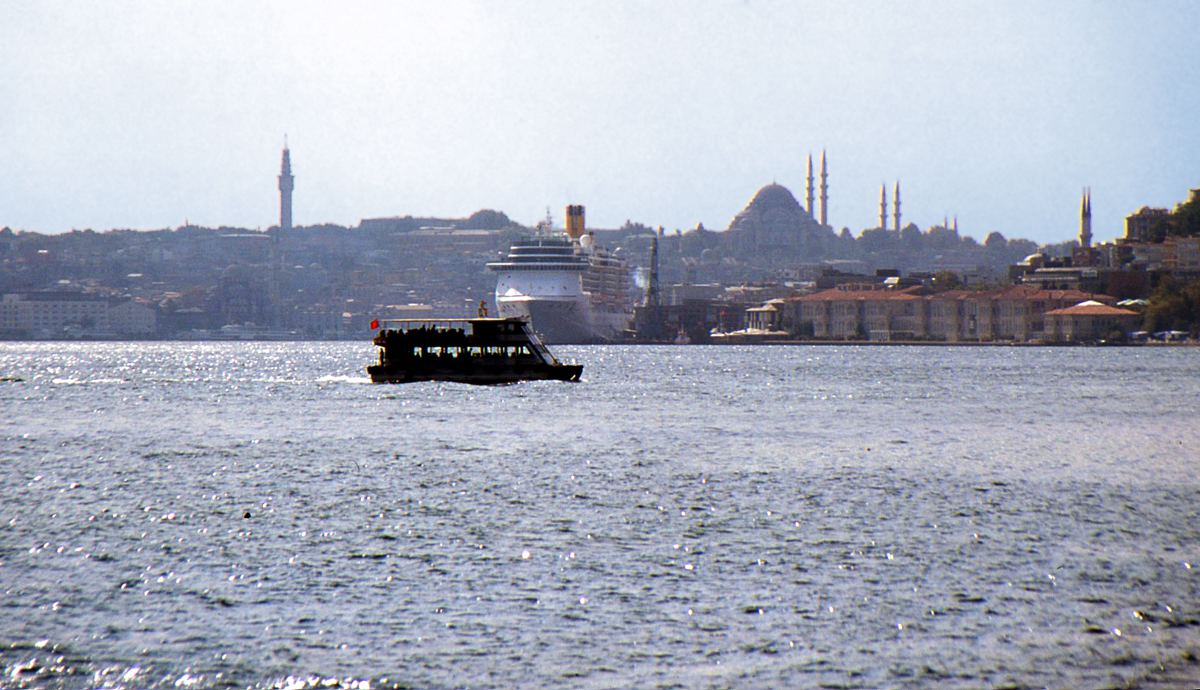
(234, 515)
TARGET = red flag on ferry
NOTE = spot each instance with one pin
(374, 323)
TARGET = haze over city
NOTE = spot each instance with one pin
(146, 115)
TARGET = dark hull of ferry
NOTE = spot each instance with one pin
(477, 372)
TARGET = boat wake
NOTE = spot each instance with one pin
(342, 378)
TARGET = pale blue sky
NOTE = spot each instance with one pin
(144, 113)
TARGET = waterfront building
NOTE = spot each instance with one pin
(764, 318)
(132, 318)
(1089, 321)
(1018, 313)
(946, 316)
(67, 314)
(49, 313)
(875, 314)
(1015, 314)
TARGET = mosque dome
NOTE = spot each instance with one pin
(773, 227)
(1035, 260)
(773, 197)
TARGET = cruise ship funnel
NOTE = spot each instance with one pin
(575, 221)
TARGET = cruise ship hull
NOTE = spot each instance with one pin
(569, 292)
(562, 322)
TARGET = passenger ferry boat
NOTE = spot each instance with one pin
(481, 351)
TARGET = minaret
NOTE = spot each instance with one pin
(1085, 219)
(824, 191)
(809, 194)
(883, 206)
(896, 201)
(286, 183)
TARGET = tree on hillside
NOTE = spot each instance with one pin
(995, 241)
(1058, 250)
(1019, 249)
(1187, 218)
(487, 219)
(1174, 307)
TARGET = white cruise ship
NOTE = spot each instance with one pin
(571, 290)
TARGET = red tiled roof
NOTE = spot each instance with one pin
(1014, 292)
(1092, 310)
(1032, 292)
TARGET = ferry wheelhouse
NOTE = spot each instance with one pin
(480, 351)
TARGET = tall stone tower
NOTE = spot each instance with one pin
(808, 197)
(1085, 219)
(286, 184)
(896, 201)
(824, 191)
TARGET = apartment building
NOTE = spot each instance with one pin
(52, 314)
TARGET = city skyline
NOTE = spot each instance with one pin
(140, 116)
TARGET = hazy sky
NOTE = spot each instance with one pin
(144, 114)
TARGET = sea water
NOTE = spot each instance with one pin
(220, 515)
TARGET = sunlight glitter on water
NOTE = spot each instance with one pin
(269, 521)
